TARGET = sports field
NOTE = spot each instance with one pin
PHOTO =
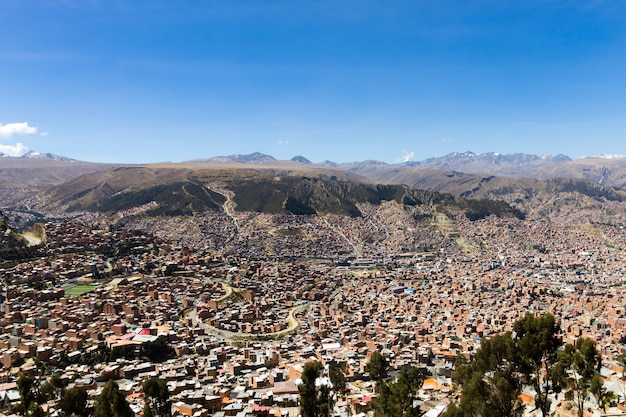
(79, 289)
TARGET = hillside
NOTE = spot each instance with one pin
(31, 171)
(178, 190)
(40, 169)
(610, 172)
(460, 173)
(261, 184)
(12, 245)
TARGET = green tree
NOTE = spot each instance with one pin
(397, 398)
(337, 375)
(490, 386)
(308, 390)
(377, 366)
(74, 402)
(52, 389)
(474, 392)
(64, 360)
(35, 410)
(324, 401)
(126, 352)
(157, 398)
(156, 351)
(577, 366)
(604, 397)
(170, 269)
(111, 402)
(537, 343)
(102, 354)
(26, 388)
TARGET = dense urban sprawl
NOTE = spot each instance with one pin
(228, 309)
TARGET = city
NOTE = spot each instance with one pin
(231, 330)
(312, 209)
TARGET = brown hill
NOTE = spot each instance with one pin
(604, 171)
(610, 172)
(12, 245)
(183, 189)
(91, 189)
(42, 172)
(273, 186)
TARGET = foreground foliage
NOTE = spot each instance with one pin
(398, 397)
(493, 381)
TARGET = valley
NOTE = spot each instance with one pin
(243, 275)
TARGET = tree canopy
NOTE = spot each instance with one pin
(309, 394)
(492, 382)
(578, 365)
(537, 342)
(157, 398)
(490, 387)
(377, 366)
(397, 398)
(111, 402)
(74, 402)
(337, 375)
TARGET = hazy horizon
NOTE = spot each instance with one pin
(288, 159)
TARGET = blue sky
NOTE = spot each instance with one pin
(148, 81)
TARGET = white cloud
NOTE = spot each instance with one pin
(406, 156)
(14, 150)
(283, 142)
(11, 129)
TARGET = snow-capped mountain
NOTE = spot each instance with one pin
(46, 156)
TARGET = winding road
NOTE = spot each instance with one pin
(292, 322)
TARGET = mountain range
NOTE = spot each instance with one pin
(537, 185)
(514, 165)
(39, 155)
(607, 170)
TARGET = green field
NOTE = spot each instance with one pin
(80, 290)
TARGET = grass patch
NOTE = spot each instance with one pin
(80, 289)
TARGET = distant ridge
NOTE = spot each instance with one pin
(39, 155)
(301, 159)
(609, 156)
(543, 185)
(607, 169)
(491, 162)
(253, 158)
(46, 156)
